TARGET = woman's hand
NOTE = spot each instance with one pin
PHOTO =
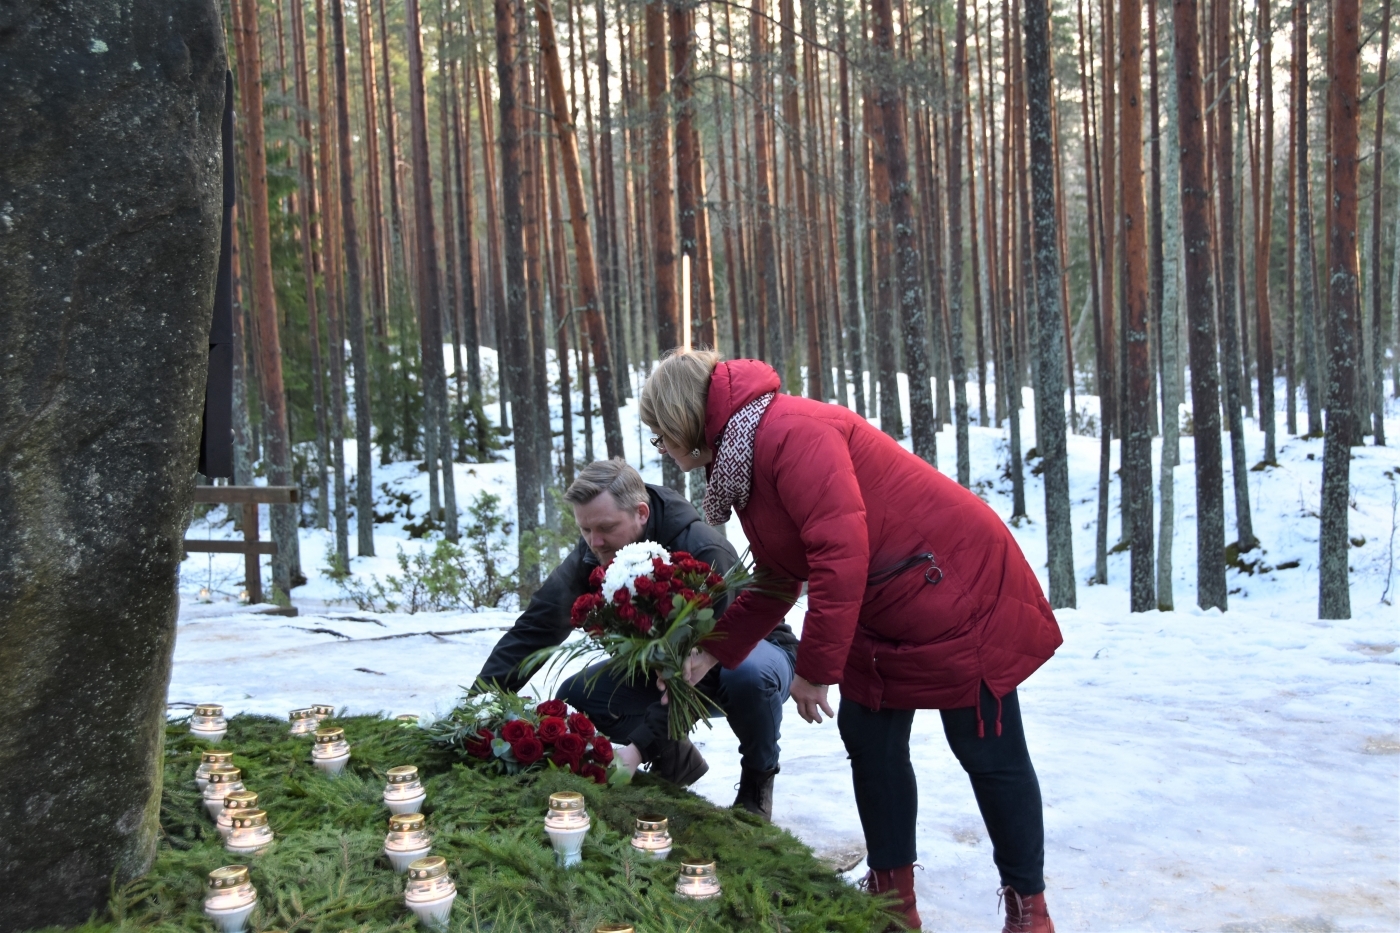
(810, 699)
(695, 669)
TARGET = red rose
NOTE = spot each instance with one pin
(585, 604)
(528, 750)
(480, 745)
(643, 623)
(570, 745)
(571, 762)
(551, 727)
(596, 772)
(580, 724)
(552, 708)
(714, 579)
(602, 750)
(516, 730)
(678, 556)
(595, 579)
(623, 596)
(687, 594)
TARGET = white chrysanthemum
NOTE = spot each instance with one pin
(631, 562)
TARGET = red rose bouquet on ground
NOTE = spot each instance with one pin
(510, 734)
(646, 611)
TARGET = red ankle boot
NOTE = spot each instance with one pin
(1025, 914)
(898, 881)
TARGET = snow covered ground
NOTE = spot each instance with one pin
(1229, 771)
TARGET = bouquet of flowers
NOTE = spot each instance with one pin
(646, 611)
(510, 734)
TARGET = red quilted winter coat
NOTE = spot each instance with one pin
(917, 592)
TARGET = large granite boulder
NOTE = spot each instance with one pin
(110, 208)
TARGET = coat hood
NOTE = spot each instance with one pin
(733, 385)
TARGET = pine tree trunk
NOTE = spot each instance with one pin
(517, 336)
(1306, 262)
(1375, 391)
(311, 264)
(907, 274)
(1137, 440)
(578, 221)
(378, 279)
(354, 308)
(769, 323)
(536, 234)
(850, 254)
(1171, 331)
(882, 270)
(1229, 315)
(1343, 105)
(286, 564)
(1205, 389)
(1050, 429)
(1264, 242)
(955, 250)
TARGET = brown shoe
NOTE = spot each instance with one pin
(1025, 914)
(899, 881)
(679, 762)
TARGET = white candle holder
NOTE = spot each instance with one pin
(208, 722)
(230, 899)
(614, 928)
(408, 840)
(407, 720)
(234, 802)
(430, 892)
(251, 834)
(331, 751)
(652, 836)
(698, 881)
(404, 793)
(323, 711)
(223, 780)
(207, 760)
(567, 824)
(304, 721)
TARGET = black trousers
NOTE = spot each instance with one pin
(999, 766)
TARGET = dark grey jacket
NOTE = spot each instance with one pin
(674, 524)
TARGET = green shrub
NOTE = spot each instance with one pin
(326, 874)
(468, 575)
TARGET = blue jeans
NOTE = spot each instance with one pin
(751, 697)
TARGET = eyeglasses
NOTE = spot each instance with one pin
(658, 443)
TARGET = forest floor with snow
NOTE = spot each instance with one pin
(1201, 770)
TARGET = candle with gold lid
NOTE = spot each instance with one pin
(652, 836)
(698, 881)
(567, 823)
(251, 834)
(404, 793)
(223, 780)
(408, 840)
(304, 721)
(237, 800)
(230, 898)
(208, 722)
(614, 928)
(430, 891)
(407, 720)
(207, 760)
(331, 751)
(323, 711)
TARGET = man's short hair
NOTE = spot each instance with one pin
(615, 476)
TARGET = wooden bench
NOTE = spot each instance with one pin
(250, 497)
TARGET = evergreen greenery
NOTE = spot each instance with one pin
(326, 872)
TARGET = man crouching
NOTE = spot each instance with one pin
(613, 507)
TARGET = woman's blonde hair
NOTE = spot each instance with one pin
(673, 400)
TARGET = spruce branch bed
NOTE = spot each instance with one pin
(326, 871)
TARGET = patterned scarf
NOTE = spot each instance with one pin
(731, 475)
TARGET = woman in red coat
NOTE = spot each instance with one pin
(917, 598)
